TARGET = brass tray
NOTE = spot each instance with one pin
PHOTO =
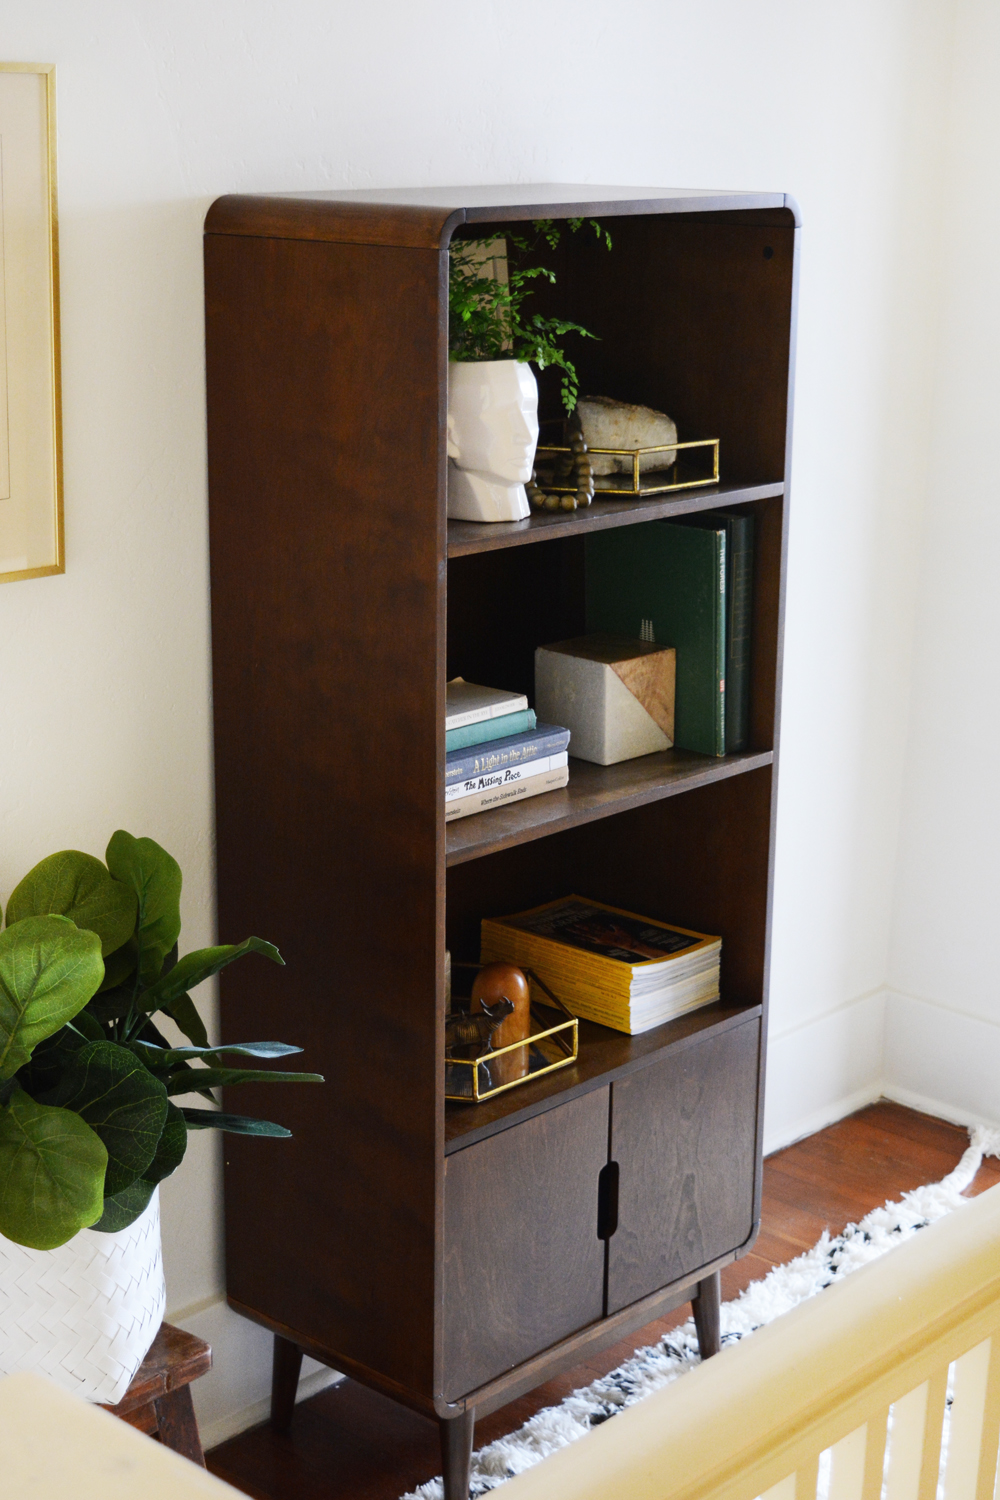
(652, 482)
(552, 1043)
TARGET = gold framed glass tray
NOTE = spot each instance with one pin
(552, 1043)
(678, 474)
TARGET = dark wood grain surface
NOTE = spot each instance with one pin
(523, 1265)
(425, 217)
(337, 614)
(175, 1358)
(465, 537)
(349, 1443)
(604, 1055)
(683, 1133)
(328, 697)
(594, 792)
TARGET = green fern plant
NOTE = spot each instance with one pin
(88, 1122)
(487, 317)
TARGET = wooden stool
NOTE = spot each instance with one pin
(158, 1401)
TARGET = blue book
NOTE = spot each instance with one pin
(499, 728)
(497, 755)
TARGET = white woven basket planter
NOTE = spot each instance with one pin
(85, 1314)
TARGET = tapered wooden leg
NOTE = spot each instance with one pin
(176, 1424)
(456, 1454)
(284, 1382)
(706, 1307)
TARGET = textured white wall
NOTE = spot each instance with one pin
(105, 672)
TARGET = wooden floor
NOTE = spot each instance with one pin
(349, 1444)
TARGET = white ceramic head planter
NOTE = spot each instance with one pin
(492, 433)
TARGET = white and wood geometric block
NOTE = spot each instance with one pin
(615, 695)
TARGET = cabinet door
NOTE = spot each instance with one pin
(684, 1136)
(524, 1267)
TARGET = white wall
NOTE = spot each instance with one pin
(105, 672)
(944, 976)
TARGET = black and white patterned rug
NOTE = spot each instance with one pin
(831, 1259)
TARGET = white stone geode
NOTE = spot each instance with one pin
(617, 424)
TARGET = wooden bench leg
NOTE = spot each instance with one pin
(176, 1424)
(706, 1306)
(285, 1370)
(456, 1453)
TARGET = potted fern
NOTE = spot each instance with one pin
(493, 339)
(89, 1125)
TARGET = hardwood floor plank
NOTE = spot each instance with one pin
(350, 1444)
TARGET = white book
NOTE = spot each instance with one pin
(505, 776)
(549, 781)
(467, 703)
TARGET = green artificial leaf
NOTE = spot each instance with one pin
(120, 1099)
(49, 969)
(170, 1148)
(112, 1004)
(176, 1072)
(184, 1014)
(154, 876)
(212, 1119)
(49, 1061)
(78, 886)
(122, 1209)
(52, 1169)
(119, 966)
(245, 1049)
(88, 1027)
(193, 968)
(196, 1080)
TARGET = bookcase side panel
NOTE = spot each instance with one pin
(324, 402)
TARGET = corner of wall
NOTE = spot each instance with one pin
(824, 1069)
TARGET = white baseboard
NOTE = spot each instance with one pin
(236, 1392)
(823, 1070)
(942, 1062)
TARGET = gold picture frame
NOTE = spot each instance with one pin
(31, 491)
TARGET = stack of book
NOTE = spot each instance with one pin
(496, 752)
(615, 967)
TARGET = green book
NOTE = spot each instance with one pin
(672, 579)
(739, 616)
(490, 729)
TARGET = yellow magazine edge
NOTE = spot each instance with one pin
(616, 963)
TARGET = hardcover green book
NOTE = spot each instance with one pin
(739, 616)
(672, 579)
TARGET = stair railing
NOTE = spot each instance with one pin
(885, 1386)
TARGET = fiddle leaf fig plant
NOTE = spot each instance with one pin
(88, 1123)
(487, 318)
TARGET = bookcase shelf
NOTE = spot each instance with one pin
(604, 1056)
(453, 1256)
(465, 537)
(593, 792)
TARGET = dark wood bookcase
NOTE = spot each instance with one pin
(453, 1256)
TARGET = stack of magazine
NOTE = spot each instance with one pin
(625, 971)
(496, 752)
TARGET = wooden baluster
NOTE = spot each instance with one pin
(906, 1444)
(990, 1439)
(937, 1390)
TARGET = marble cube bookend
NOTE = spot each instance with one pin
(614, 694)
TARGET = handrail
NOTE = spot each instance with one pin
(760, 1414)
